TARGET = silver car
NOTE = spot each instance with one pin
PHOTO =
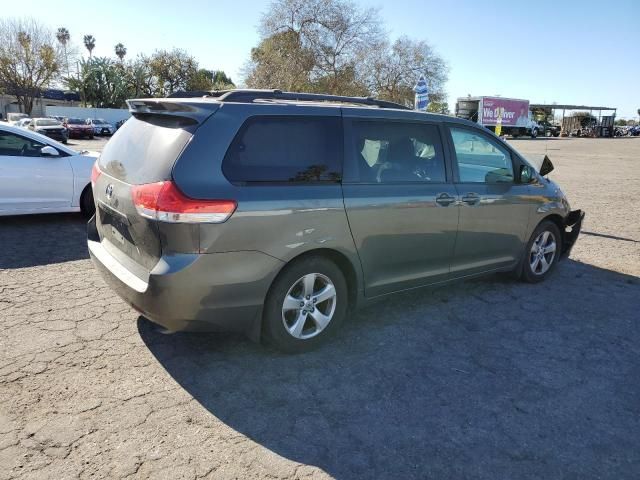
(275, 213)
(101, 126)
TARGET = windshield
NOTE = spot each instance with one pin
(99, 120)
(75, 121)
(47, 123)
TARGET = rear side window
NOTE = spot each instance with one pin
(398, 152)
(286, 149)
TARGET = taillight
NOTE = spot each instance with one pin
(95, 173)
(164, 202)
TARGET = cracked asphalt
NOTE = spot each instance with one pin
(489, 379)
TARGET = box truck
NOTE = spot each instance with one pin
(516, 117)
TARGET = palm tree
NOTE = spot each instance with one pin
(63, 37)
(89, 43)
(121, 51)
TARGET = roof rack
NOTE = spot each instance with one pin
(248, 96)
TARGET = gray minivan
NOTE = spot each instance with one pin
(275, 213)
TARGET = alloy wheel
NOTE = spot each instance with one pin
(309, 306)
(543, 253)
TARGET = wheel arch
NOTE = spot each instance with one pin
(343, 262)
(86, 190)
(557, 220)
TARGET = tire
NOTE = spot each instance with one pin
(534, 133)
(532, 271)
(299, 326)
(87, 206)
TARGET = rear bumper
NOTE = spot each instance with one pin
(573, 225)
(194, 292)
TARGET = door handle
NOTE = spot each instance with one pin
(471, 198)
(444, 199)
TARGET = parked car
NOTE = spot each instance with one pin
(12, 117)
(549, 129)
(277, 214)
(78, 128)
(100, 126)
(23, 122)
(49, 127)
(40, 175)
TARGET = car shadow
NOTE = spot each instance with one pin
(32, 240)
(486, 379)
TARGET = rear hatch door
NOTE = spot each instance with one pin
(144, 150)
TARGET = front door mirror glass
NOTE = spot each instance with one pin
(526, 174)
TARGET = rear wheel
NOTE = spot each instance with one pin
(87, 206)
(542, 252)
(305, 305)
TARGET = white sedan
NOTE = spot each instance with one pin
(40, 175)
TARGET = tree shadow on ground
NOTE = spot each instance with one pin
(484, 379)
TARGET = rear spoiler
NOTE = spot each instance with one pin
(195, 112)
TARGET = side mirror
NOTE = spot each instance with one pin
(546, 167)
(49, 151)
(526, 174)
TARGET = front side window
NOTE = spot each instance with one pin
(286, 149)
(19, 146)
(480, 159)
(391, 152)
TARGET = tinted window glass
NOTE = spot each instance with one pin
(388, 152)
(19, 146)
(480, 159)
(286, 149)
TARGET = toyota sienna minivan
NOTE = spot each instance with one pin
(276, 213)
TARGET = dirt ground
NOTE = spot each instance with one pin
(486, 379)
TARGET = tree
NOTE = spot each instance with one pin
(139, 78)
(335, 33)
(89, 43)
(280, 61)
(29, 59)
(101, 82)
(334, 46)
(207, 80)
(121, 51)
(63, 37)
(171, 70)
(391, 71)
(221, 81)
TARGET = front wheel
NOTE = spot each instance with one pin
(542, 252)
(534, 133)
(305, 305)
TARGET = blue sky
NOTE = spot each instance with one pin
(581, 52)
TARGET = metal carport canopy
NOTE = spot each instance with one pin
(568, 107)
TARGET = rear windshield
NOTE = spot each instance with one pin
(47, 123)
(144, 149)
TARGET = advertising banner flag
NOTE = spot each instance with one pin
(422, 94)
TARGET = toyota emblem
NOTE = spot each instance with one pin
(109, 191)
